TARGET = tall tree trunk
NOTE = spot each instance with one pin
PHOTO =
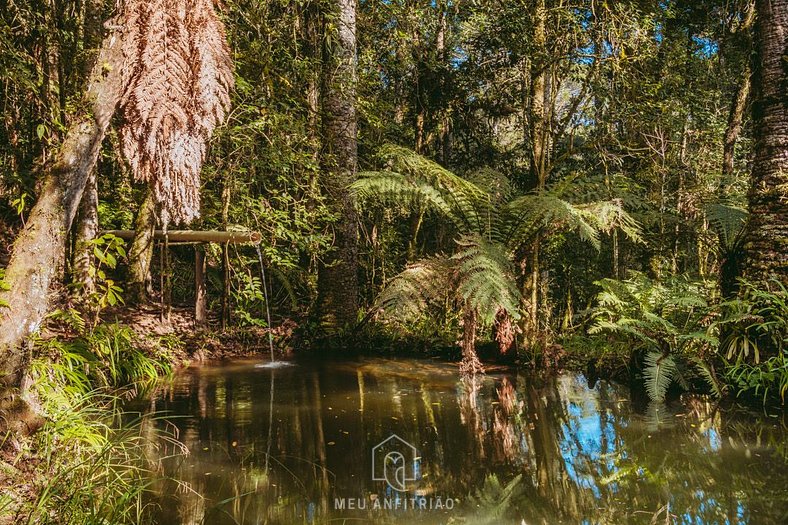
(338, 273)
(87, 229)
(200, 295)
(731, 254)
(141, 254)
(39, 250)
(736, 115)
(733, 128)
(537, 129)
(766, 241)
(226, 191)
(440, 45)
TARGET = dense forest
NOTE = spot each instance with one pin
(587, 184)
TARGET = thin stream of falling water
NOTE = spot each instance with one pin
(270, 427)
(267, 306)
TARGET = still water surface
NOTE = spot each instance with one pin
(294, 445)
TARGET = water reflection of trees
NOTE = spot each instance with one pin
(581, 454)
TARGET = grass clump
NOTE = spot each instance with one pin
(91, 462)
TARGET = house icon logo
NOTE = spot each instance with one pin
(395, 461)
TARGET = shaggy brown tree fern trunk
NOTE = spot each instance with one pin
(338, 273)
(40, 248)
(470, 364)
(766, 241)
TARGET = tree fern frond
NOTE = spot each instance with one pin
(177, 80)
(526, 216)
(399, 190)
(468, 201)
(708, 376)
(728, 221)
(610, 215)
(485, 278)
(659, 372)
(407, 295)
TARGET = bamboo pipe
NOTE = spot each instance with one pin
(194, 236)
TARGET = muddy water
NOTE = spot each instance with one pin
(404, 441)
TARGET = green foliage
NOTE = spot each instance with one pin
(91, 464)
(493, 502)
(666, 321)
(249, 299)
(109, 356)
(728, 221)
(659, 372)
(107, 250)
(486, 278)
(754, 328)
(754, 322)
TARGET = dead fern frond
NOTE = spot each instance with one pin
(178, 82)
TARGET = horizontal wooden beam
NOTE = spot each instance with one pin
(195, 236)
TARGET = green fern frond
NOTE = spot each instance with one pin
(407, 295)
(467, 201)
(728, 221)
(398, 190)
(610, 215)
(485, 278)
(526, 216)
(708, 376)
(658, 374)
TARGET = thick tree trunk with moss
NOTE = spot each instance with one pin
(40, 248)
(338, 273)
(766, 241)
(138, 287)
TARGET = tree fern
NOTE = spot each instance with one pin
(398, 190)
(492, 225)
(728, 221)
(467, 202)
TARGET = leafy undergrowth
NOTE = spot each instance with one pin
(677, 335)
(91, 462)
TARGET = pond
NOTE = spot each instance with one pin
(405, 441)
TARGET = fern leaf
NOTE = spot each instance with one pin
(485, 278)
(407, 296)
(658, 374)
(178, 80)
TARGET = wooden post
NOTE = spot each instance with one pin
(225, 285)
(200, 299)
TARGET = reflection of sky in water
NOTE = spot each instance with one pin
(595, 456)
(715, 440)
(585, 443)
